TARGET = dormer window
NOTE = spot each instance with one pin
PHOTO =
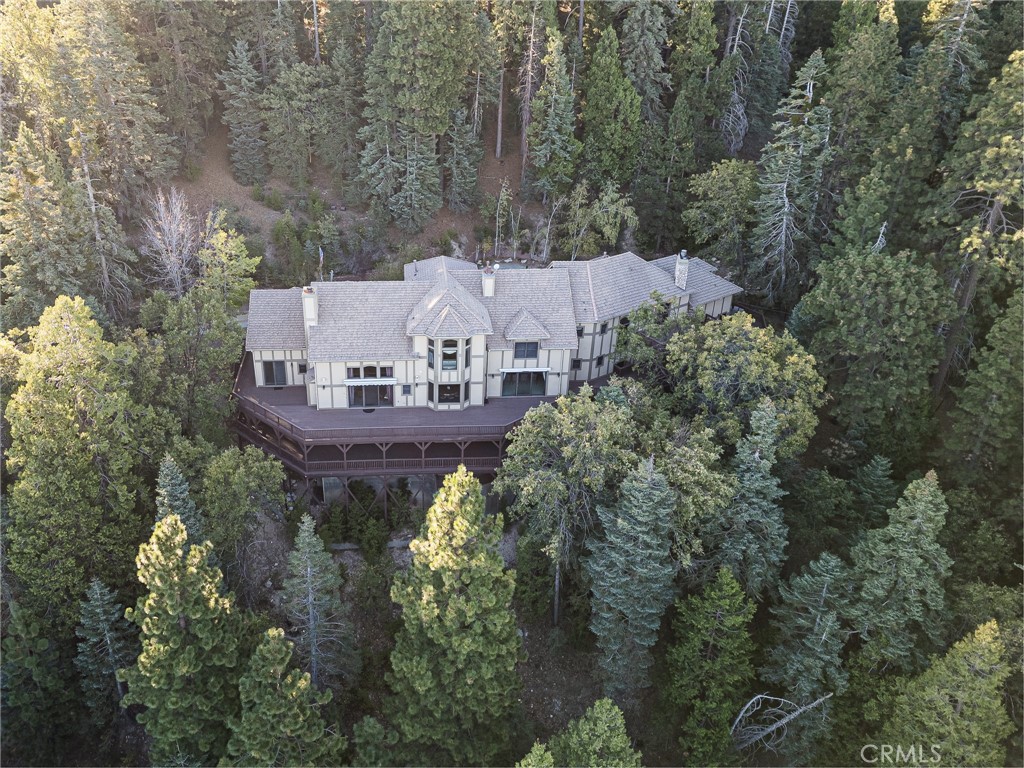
(526, 350)
(449, 355)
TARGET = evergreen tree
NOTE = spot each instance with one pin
(956, 705)
(723, 370)
(750, 535)
(312, 602)
(553, 145)
(106, 644)
(281, 722)
(791, 190)
(723, 213)
(338, 145)
(710, 667)
(225, 267)
(462, 156)
(294, 114)
(631, 572)
(983, 443)
(242, 113)
(36, 697)
(898, 572)
(807, 661)
(187, 674)
(875, 315)
(453, 672)
(875, 490)
(610, 116)
(561, 460)
(173, 498)
(597, 739)
(644, 37)
(588, 224)
(269, 29)
(74, 432)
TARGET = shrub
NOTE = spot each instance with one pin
(274, 199)
(534, 579)
(257, 193)
(192, 170)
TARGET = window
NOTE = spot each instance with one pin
(302, 368)
(430, 391)
(579, 331)
(387, 372)
(576, 365)
(466, 394)
(430, 354)
(355, 373)
(407, 389)
(522, 384)
(448, 393)
(370, 372)
(449, 355)
(468, 350)
(600, 361)
(373, 396)
(526, 350)
(274, 374)
(604, 328)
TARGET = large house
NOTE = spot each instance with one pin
(344, 379)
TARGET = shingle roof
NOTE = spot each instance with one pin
(363, 320)
(429, 269)
(543, 293)
(275, 320)
(525, 326)
(448, 309)
(702, 283)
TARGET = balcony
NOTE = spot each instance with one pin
(335, 442)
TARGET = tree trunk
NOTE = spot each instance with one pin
(501, 112)
(104, 273)
(579, 27)
(558, 593)
(316, 33)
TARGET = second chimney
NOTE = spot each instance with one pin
(488, 280)
(682, 269)
(309, 308)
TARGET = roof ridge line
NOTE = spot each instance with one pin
(590, 285)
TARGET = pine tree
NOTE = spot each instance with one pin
(610, 116)
(74, 434)
(281, 722)
(241, 97)
(187, 674)
(106, 644)
(722, 371)
(807, 662)
(723, 213)
(875, 315)
(644, 37)
(983, 443)
(338, 146)
(631, 572)
(561, 459)
(269, 29)
(597, 739)
(453, 672)
(898, 572)
(876, 491)
(750, 535)
(36, 696)
(173, 498)
(312, 603)
(791, 186)
(553, 145)
(461, 158)
(710, 667)
(957, 704)
(294, 114)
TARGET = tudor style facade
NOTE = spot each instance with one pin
(451, 356)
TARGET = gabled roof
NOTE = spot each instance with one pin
(703, 284)
(448, 309)
(525, 326)
(275, 320)
(428, 269)
(363, 320)
(612, 286)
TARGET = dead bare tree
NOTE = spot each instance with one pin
(171, 239)
(764, 721)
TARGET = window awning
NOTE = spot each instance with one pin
(526, 370)
(369, 382)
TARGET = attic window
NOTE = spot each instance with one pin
(526, 350)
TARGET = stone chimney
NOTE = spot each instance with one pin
(309, 308)
(682, 269)
(489, 274)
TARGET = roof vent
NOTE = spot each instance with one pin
(682, 269)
